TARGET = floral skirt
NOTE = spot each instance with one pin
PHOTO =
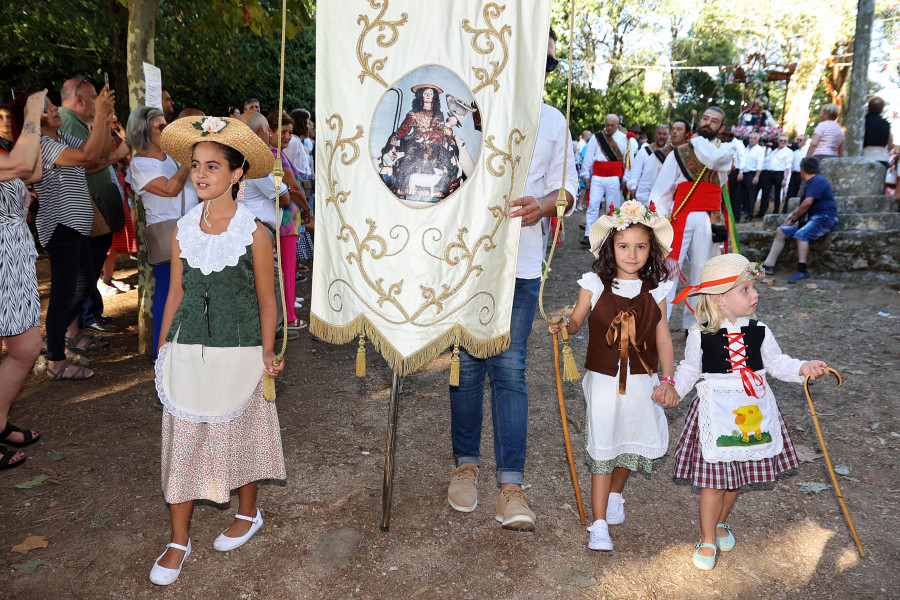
(208, 460)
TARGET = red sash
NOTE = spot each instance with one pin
(706, 197)
(608, 169)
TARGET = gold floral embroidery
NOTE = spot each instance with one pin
(386, 303)
(491, 11)
(387, 37)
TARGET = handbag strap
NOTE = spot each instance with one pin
(182, 201)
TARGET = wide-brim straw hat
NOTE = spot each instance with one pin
(603, 226)
(725, 272)
(416, 88)
(180, 136)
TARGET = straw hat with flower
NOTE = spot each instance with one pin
(180, 137)
(725, 272)
(630, 213)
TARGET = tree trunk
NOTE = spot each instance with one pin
(819, 43)
(854, 114)
(141, 38)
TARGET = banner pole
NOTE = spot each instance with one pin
(387, 486)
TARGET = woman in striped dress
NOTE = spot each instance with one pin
(64, 225)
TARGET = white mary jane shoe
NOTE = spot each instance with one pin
(224, 543)
(163, 576)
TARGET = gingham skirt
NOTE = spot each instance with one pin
(689, 463)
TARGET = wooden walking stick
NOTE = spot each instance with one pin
(565, 424)
(837, 487)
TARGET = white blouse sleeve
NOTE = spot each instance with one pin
(661, 291)
(688, 371)
(592, 283)
(779, 365)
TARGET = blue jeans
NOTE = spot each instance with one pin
(816, 227)
(161, 273)
(509, 395)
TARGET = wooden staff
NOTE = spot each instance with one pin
(565, 424)
(837, 487)
(391, 446)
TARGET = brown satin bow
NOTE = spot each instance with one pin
(623, 329)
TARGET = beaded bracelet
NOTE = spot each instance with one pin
(667, 380)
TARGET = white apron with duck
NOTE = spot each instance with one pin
(735, 426)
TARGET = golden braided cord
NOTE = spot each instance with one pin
(561, 201)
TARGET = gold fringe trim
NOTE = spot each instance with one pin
(454, 366)
(361, 356)
(403, 365)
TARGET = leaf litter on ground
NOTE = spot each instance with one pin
(33, 482)
(575, 575)
(30, 543)
(813, 487)
(31, 565)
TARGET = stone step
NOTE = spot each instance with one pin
(869, 254)
(859, 204)
(848, 222)
(864, 204)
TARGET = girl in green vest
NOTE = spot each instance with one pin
(218, 334)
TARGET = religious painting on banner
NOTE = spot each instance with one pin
(426, 127)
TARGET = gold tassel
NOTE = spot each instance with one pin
(570, 371)
(361, 356)
(268, 388)
(454, 366)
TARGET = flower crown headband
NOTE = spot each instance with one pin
(631, 212)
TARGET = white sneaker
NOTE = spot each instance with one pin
(224, 543)
(615, 509)
(599, 536)
(163, 576)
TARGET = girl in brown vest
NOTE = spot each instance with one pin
(623, 300)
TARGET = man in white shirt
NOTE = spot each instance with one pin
(507, 370)
(794, 185)
(689, 187)
(603, 169)
(776, 172)
(652, 157)
(749, 176)
(735, 186)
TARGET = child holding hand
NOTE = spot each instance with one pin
(623, 300)
(734, 434)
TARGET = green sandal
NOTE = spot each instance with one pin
(705, 563)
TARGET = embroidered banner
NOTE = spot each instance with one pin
(426, 126)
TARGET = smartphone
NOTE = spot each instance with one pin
(46, 106)
(106, 79)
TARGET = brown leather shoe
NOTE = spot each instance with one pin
(513, 511)
(463, 491)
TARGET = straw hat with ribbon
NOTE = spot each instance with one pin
(721, 274)
(179, 138)
(630, 213)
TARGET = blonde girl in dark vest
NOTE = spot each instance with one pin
(734, 434)
(623, 300)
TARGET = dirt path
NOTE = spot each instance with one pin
(104, 519)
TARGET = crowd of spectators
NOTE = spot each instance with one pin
(71, 182)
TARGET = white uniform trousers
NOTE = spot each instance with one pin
(607, 189)
(698, 244)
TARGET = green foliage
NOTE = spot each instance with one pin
(212, 52)
(206, 70)
(694, 88)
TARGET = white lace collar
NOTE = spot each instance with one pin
(212, 253)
